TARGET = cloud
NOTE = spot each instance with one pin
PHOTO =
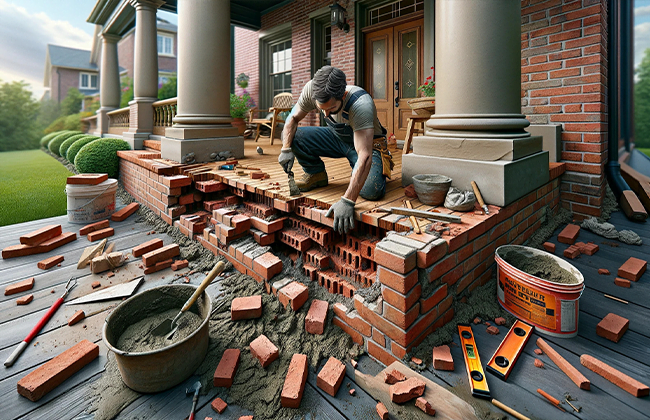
(641, 11)
(24, 38)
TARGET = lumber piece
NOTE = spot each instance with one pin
(615, 376)
(414, 222)
(106, 262)
(426, 214)
(578, 378)
(89, 253)
(41, 235)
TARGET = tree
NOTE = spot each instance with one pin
(50, 111)
(127, 91)
(642, 103)
(168, 89)
(18, 113)
(72, 102)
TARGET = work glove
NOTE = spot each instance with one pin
(343, 212)
(286, 159)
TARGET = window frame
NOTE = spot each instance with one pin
(90, 77)
(171, 44)
(278, 35)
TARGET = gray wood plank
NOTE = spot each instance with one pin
(594, 303)
(70, 405)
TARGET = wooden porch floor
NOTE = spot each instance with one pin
(69, 400)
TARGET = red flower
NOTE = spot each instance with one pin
(426, 83)
(428, 77)
(431, 68)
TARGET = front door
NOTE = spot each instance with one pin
(394, 70)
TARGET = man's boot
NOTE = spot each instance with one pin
(309, 182)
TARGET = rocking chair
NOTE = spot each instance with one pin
(282, 102)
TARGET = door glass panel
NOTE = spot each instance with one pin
(409, 65)
(379, 69)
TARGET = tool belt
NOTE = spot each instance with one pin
(380, 145)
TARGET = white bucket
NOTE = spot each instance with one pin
(89, 203)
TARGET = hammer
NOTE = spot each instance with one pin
(195, 390)
(479, 197)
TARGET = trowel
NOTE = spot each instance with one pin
(293, 188)
(193, 391)
(115, 292)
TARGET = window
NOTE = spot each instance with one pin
(165, 45)
(87, 81)
(275, 63)
(280, 74)
(394, 10)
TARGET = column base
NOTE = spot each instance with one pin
(177, 150)
(190, 132)
(135, 140)
(141, 115)
(501, 182)
(102, 120)
(485, 149)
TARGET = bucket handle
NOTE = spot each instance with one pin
(95, 198)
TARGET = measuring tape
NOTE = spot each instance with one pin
(477, 379)
(506, 356)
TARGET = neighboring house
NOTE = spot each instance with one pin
(67, 68)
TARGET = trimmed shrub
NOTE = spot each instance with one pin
(101, 157)
(63, 149)
(46, 139)
(56, 142)
(77, 145)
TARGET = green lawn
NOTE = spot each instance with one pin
(32, 186)
(644, 151)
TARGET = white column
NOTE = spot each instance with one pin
(202, 126)
(109, 82)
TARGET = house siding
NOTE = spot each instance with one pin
(69, 78)
(125, 51)
(247, 61)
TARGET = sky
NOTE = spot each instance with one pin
(27, 26)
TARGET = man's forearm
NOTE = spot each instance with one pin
(359, 176)
(288, 132)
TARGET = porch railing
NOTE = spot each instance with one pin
(89, 124)
(163, 112)
(118, 120)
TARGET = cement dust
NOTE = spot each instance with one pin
(138, 337)
(541, 266)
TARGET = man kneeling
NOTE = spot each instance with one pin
(353, 132)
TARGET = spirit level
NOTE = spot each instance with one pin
(475, 374)
(506, 356)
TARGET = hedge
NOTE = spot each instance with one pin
(63, 149)
(46, 139)
(77, 145)
(56, 142)
(101, 157)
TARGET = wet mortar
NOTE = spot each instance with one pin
(542, 266)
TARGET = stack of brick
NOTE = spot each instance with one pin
(228, 226)
(158, 258)
(192, 224)
(40, 241)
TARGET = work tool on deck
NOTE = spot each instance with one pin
(194, 390)
(509, 410)
(115, 292)
(506, 355)
(423, 214)
(72, 282)
(414, 222)
(477, 380)
(550, 399)
(169, 326)
(293, 188)
(479, 197)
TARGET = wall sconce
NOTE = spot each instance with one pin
(337, 17)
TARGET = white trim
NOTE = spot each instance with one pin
(81, 86)
(171, 44)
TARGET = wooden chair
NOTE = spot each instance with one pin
(282, 102)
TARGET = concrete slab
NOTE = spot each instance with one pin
(552, 139)
(175, 149)
(501, 182)
(486, 149)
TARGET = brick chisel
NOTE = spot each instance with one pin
(23, 344)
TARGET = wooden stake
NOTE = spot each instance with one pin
(509, 410)
(615, 298)
(414, 222)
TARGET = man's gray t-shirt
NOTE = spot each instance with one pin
(362, 114)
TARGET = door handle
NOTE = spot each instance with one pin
(397, 94)
(397, 85)
(396, 101)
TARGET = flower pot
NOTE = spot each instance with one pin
(240, 124)
(423, 106)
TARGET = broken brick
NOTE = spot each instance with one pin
(603, 271)
(24, 300)
(294, 382)
(572, 252)
(78, 316)
(538, 363)
(416, 360)
(125, 212)
(331, 376)
(569, 234)
(352, 392)
(95, 284)
(50, 262)
(227, 368)
(179, 265)
(264, 351)
(94, 227)
(492, 330)
(52, 373)
(589, 249)
(161, 254)
(41, 235)
(20, 286)
(615, 376)
(612, 327)
(249, 307)
(404, 391)
(146, 247)
(219, 405)
(161, 265)
(622, 282)
(316, 317)
(294, 294)
(549, 247)
(633, 269)
(382, 411)
(500, 321)
(477, 320)
(100, 234)
(393, 377)
(424, 405)
(538, 352)
(442, 359)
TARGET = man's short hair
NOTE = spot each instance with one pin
(328, 82)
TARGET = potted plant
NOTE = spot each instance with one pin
(242, 80)
(425, 105)
(239, 106)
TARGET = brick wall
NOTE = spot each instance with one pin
(63, 79)
(564, 81)
(125, 51)
(247, 61)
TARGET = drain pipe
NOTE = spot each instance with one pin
(619, 60)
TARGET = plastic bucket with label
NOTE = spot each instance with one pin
(551, 307)
(90, 203)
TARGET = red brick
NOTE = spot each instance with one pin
(296, 239)
(50, 262)
(294, 382)
(267, 227)
(633, 269)
(394, 376)
(568, 369)
(379, 337)
(125, 212)
(267, 265)
(331, 376)
(426, 304)
(95, 285)
(382, 411)
(161, 265)
(316, 317)
(622, 282)
(404, 391)
(353, 319)
(264, 351)
(572, 252)
(100, 234)
(219, 405)
(399, 318)
(294, 294)
(492, 330)
(24, 300)
(186, 199)
(400, 301)
(616, 377)
(146, 247)
(52, 373)
(397, 281)
(549, 247)
(612, 327)
(241, 223)
(20, 286)
(210, 186)
(160, 254)
(227, 368)
(180, 264)
(93, 227)
(569, 234)
(86, 179)
(78, 316)
(603, 271)
(176, 181)
(424, 405)
(249, 307)
(354, 334)
(41, 235)
(442, 359)
(396, 257)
